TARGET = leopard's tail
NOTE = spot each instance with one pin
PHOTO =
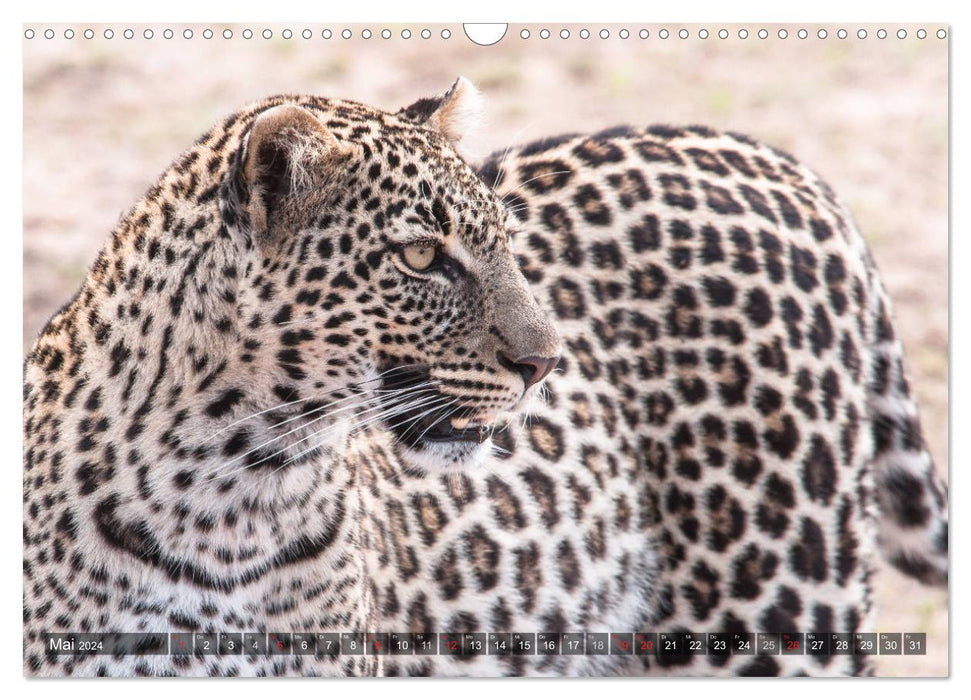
(911, 497)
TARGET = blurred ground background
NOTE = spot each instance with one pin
(103, 117)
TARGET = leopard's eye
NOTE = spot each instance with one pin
(418, 257)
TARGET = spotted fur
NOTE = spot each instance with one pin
(728, 437)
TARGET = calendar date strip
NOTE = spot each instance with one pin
(324, 644)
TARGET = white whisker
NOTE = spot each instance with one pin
(337, 387)
(384, 412)
(520, 185)
(371, 420)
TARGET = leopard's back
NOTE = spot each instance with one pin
(727, 334)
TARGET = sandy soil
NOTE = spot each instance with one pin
(103, 117)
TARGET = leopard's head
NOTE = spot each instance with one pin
(386, 277)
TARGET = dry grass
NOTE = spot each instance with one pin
(103, 118)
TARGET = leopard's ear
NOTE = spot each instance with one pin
(457, 114)
(287, 151)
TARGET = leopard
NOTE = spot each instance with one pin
(333, 375)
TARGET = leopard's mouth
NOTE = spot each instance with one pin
(425, 417)
(454, 430)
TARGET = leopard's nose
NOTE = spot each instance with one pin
(532, 369)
